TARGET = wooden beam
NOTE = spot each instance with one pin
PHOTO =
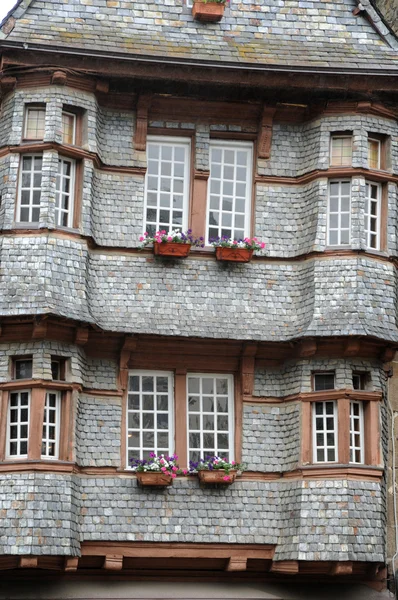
(102, 86)
(265, 132)
(288, 567)
(341, 568)
(307, 348)
(39, 331)
(71, 563)
(113, 562)
(237, 563)
(143, 105)
(81, 336)
(352, 347)
(28, 562)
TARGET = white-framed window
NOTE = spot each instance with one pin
(150, 414)
(18, 424)
(68, 128)
(35, 118)
(229, 190)
(51, 425)
(29, 196)
(65, 192)
(339, 213)
(372, 214)
(167, 184)
(374, 153)
(356, 433)
(324, 429)
(324, 381)
(341, 150)
(210, 416)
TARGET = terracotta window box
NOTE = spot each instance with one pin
(216, 477)
(173, 249)
(207, 12)
(234, 254)
(153, 479)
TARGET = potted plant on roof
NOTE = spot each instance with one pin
(232, 250)
(208, 11)
(157, 471)
(215, 470)
(176, 244)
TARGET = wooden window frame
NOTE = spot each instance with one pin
(234, 144)
(63, 367)
(78, 114)
(47, 424)
(325, 432)
(8, 454)
(371, 427)
(339, 135)
(180, 400)
(339, 229)
(18, 205)
(72, 194)
(38, 390)
(382, 203)
(13, 365)
(27, 108)
(185, 141)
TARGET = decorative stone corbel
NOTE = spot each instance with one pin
(265, 132)
(143, 105)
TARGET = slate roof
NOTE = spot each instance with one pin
(277, 33)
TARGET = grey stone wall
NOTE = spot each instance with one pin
(295, 376)
(271, 437)
(298, 516)
(98, 431)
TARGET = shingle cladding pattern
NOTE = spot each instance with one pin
(52, 514)
(317, 33)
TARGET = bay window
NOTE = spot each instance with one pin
(167, 184)
(229, 190)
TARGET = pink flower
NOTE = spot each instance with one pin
(235, 242)
(226, 478)
(173, 475)
(233, 463)
(163, 469)
(174, 468)
(142, 238)
(169, 238)
(185, 471)
(262, 244)
(146, 233)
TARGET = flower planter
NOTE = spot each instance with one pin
(207, 12)
(234, 254)
(216, 477)
(153, 479)
(173, 249)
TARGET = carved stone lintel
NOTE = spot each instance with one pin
(237, 563)
(59, 78)
(113, 562)
(81, 336)
(143, 105)
(265, 132)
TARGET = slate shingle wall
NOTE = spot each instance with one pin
(98, 431)
(296, 515)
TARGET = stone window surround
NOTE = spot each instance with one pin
(38, 391)
(343, 399)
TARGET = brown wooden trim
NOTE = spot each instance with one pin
(171, 132)
(113, 562)
(306, 433)
(123, 430)
(178, 550)
(180, 417)
(199, 203)
(372, 434)
(265, 132)
(331, 172)
(238, 429)
(4, 397)
(78, 198)
(318, 397)
(28, 562)
(143, 105)
(341, 568)
(287, 567)
(37, 401)
(66, 421)
(384, 217)
(343, 422)
(71, 564)
(39, 383)
(232, 135)
(71, 152)
(103, 393)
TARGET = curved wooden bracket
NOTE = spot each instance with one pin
(265, 132)
(143, 105)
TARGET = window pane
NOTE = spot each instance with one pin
(374, 154)
(339, 218)
(341, 151)
(23, 368)
(323, 381)
(18, 424)
(149, 414)
(356, 433)
(209, 415)
(64, 192)
(30, 189)
(68, 128)
(325, 431)
(167, 185)
(35, 121)
(372, 215)
(50, 440)
(230, 182)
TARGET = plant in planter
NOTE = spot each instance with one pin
(208, 11)
(175, 243)
(232, 250)
(216, 470)
(157, 471)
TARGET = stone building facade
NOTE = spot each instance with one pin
(301, 337)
